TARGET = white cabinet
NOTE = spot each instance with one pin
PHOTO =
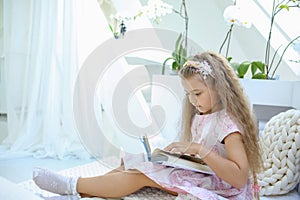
(272, 92)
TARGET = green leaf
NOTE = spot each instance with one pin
(285, 6)
(259, 76)
(164, 65)
(184, 53)
(258, 65)
(229, 59)
(243, 68)
(253, 69)
(175, 66)
(175, 54)
(180, 53)
(182, 56)
(182, 61)
(178, 42)
(111, 28)
(180, 50)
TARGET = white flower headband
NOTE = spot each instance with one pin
(202, 67)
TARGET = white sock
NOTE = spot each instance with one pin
(54, 182)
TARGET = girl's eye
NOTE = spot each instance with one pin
(197, 94)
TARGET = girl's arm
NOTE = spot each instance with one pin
(234, 169)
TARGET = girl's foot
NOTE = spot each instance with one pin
(55, 183)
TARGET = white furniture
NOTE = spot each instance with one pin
(273, 92)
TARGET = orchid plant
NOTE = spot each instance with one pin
(233, 15)
(155, 10)
(277, 7)
(259, 69)
(179, 54)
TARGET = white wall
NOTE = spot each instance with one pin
(3, 122)
(2, 83)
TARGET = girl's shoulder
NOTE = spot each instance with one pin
(227, 125)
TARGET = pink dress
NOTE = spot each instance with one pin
(209, 130)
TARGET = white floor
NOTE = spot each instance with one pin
(20, 169)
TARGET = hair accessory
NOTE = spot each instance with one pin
(256, 190)
(202, 67)
(256, 187)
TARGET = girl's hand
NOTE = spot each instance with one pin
(190, 148)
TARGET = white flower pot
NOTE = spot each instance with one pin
(260, 92)
(272, 92)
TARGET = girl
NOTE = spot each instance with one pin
(217, 126)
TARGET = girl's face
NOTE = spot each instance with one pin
(200, 95)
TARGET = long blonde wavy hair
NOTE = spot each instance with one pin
(233, 100)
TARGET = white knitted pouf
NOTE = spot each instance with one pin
(280, 144)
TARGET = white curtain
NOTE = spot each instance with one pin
(45, 43)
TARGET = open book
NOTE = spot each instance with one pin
(180, 161)
(175, 160)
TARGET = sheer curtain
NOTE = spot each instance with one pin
(45, 45)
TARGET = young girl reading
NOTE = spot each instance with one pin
(217, 126)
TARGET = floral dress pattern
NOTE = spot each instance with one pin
(209, 130)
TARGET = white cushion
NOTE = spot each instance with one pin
(280, 144)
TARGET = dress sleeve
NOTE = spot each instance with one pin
(227, 126)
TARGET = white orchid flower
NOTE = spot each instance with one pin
(234, 15)
(155, 9)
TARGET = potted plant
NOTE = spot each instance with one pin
(233, 15)
(155, 10)
(179, 56)
(260, 70)
(266, 69)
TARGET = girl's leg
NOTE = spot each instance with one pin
(115, 185)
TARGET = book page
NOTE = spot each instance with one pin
(180, 161)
